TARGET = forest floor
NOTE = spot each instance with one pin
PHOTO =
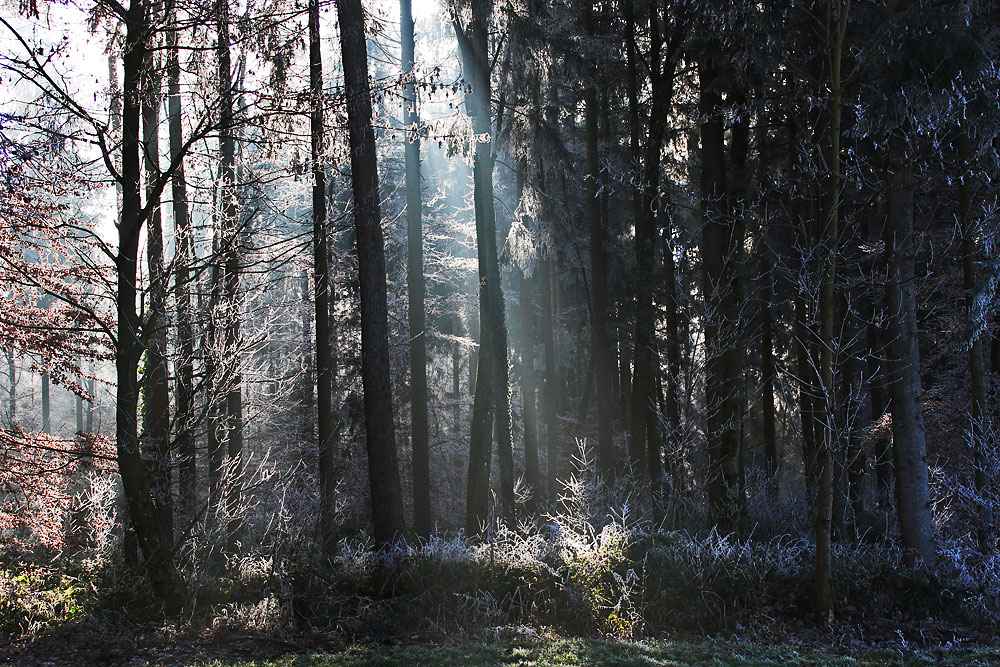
(256, 652)
(521, 647)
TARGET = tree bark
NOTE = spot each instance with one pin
(383, 466)
(321, 296)
(156, 406)
(977, 367)
(909, 447)
(422, 519)
(474, 45)
(233, 379)
(720, 242)
(551, 379)
(185, 442)
(155, 541)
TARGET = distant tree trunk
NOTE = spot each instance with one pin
(185, 442)
(92, 390)
(154, 538)
(766, 260)
(720, 243)
(531, 473)
(321, 296)
(909, 447)
(46, 410)
(474, 45)
(830, 239)
(673, 353)
(383, 465)
(977, 367)
(551, 379)
(801, 330)
(214, 371)
(600, 347)
(12, 388)
(422, 520)
(231, 282)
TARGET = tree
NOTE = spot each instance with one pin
(492, 398)
(383, 468)
(422, 519)
(321, 294)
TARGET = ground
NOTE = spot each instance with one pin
(522, 649)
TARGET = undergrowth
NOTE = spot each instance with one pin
(596, 568)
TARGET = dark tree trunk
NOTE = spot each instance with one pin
(977, 367)
(474, 45)
(321, 296)
(720, 244)
(600, 347)
(909, 447)
(154, 539)
(383, 466)
(422, 519)
(156, 406)
(551, 401)
(232, 375)
(830, 242)
(185, 443)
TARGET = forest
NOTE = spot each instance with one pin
(499, 331)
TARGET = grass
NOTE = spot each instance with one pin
(567, 652)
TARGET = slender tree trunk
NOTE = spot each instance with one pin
(673, 352)
(12, 389)
(46, 410)
(185, 442)
(909, 447)
(977, 367)
(154, 539)
(156, 406)
(600, 347)
(493, 328)
(321, 296)
(422, 520)
(231, 282)
(214, 371)
(830, 236)
(383, 465)
(531, 474)
(551, 402)
(720, 243)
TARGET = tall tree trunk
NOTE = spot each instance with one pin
(526, 305)
(909, 447)
(185, 442)
(836, 20)
(422, 520)
(531, 474)
(600, 347)
(977, 367)
(383, 465)
(673, 352)
(720, 242)
(231, 282)
(321, 296)
(474, 45)
(214, 371)
(156, 406)
(551, 402)
(153, 536)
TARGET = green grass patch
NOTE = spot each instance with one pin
(568, 652)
